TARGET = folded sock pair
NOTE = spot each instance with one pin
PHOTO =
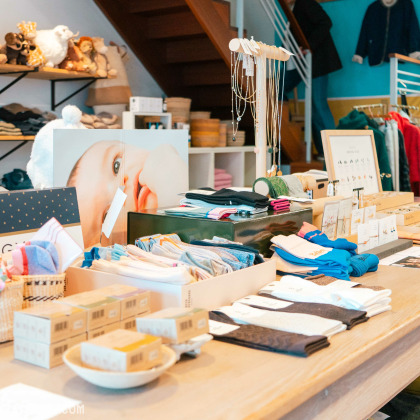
(35, 257)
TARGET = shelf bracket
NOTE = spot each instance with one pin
(20, 77)
(55, 104)
(13, 150)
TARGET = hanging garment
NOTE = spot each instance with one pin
(387, 30)
(403, 161)
(356, 120)
(411, 135)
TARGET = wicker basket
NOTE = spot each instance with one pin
(239, 139)
(179, 108)
(205, 133)
(11, 299)
(42, 288)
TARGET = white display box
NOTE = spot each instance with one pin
(146, 104)
(209, 294)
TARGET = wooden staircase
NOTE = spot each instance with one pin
(184, 46)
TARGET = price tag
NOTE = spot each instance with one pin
(220, 328)
(264, 302)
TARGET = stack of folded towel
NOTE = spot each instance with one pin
(280, 204)
(9, 129)
(222, 179)
(103, 120)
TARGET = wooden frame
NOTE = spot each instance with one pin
(350, 157)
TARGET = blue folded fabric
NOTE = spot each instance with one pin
(363, 263)
(336, 263)
(317, 237)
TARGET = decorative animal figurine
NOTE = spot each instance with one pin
(85, 45)
(14, 46)
(35, 57)
(100, 58)
(74, 59)
(54, 44)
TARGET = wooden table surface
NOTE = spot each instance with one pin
(361, 370)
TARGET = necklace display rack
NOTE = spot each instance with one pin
(259, 61)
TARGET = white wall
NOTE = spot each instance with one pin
(78, 15)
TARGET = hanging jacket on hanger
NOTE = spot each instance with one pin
(387, 30)
(356, 120)
(404, 167)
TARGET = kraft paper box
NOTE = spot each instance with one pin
(130, 323)
(388, 199)
(406, 215)
(175, 325)
(134, 301)
(122, 351)
(44, 355)
(49, 322)
(210, 294)
(97, 332)
(101, 310)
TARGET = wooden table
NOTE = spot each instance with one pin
(360, 371)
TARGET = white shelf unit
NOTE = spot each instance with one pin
(132, 120)
(237, 161)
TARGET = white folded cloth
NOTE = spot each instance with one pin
(339, 293)
(283, 321)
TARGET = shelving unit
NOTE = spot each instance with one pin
(132, 120)
(23, 140)
(237, 161)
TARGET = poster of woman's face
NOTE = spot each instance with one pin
(150, 166)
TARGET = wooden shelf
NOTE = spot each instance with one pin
(21, 138)
(45, 73)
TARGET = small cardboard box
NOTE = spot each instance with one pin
(134, 301)
(101, 310)
(97, 332)
(122, 351)
(175, 325)
(49, 323)
(388, 199)
(406, 215)
(209, 294)
(42, 354)
(130, 323)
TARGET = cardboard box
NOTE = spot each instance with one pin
(122, 351)
(97, 332)
(146, 104)
(49, 323)
(209, 294)
(134, 301)
(100, 310)
(406, 215)
(130, 323)
(42, 354)
(175, 325)
(388, 199)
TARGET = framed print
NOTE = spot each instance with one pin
(350, 157)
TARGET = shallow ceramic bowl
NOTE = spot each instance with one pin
(117, 380)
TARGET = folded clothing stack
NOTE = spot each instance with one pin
(280, 204)
(32, 258)
(9, 129)
(335, 258)
(344, 295)
(28, 120)
(222, 179)
(261, 338)
(215, 213)
(103, 120)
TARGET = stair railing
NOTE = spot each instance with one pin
(284, 23)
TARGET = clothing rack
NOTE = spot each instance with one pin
(413, 107)
(369, 106)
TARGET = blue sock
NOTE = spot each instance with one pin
(363, 263)
(317, 237)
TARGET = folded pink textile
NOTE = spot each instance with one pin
(222, 177)
(219, 171)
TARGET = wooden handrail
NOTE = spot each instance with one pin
(294, 26)
(404, 58)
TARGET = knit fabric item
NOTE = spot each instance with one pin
(261, 338)
(291, 322)
(230, 197)
(322, 280)
(294, 186)
(348, 317)
(363, 263)
(272, 186)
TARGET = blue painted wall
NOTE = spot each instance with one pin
(355, 79)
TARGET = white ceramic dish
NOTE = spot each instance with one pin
(117, 380)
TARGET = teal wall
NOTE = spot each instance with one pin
(355, 79)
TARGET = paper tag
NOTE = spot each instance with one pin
(356, 220)
(373, 234)
(78, 324)
(329, 219)
(250, 67)
(363, 238)
(220, 328)
(370, 213)
(264, 302)
(113, 212)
